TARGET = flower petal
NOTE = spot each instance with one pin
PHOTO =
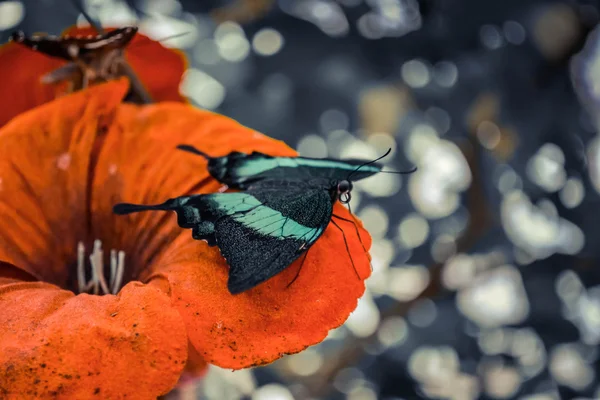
(10, 273)
(55, 344)
(195, 368)
(139, 164)
(45, 161)
(25, 68)
(159, 69)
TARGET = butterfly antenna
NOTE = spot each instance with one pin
(357, 233)
(164, 39)
(367, 163)
(381, 172)
(410, 171)
(347, 248)
(193, 150)
(95, 24)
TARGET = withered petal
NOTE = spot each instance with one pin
(57, 345)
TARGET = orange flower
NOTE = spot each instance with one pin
(63, 166)
(159, 68)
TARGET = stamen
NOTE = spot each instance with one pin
(94, 282)
(113, 267)
(81, 267)
(120, 270)
(98, 280)
(97, 261)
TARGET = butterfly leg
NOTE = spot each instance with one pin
(347, 248)
(299, 269)
(87, 72)
(357, 234)
(355, 227)
(110, 64)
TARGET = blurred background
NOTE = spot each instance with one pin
(485, 281)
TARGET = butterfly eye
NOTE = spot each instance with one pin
(17, 36)
(344, 187)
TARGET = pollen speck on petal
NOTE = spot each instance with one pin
(63, 162)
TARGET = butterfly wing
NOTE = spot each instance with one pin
(259, 232)
(47, 44)
(240, 170)
(261, 243)
(116, 39)
(62, 47)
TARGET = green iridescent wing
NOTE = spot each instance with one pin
(259, 232)
(240, 170)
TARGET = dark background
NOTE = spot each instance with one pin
(486, 277)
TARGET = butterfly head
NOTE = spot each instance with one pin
(344, 189)
(18, 36)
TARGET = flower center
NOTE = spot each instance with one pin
(98, 284)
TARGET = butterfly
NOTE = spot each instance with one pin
(239, 170)
(91, 58)
(284, 208)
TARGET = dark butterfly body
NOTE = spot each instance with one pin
(286, 206)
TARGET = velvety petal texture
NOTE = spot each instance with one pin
(159, 69)
(54, 344)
